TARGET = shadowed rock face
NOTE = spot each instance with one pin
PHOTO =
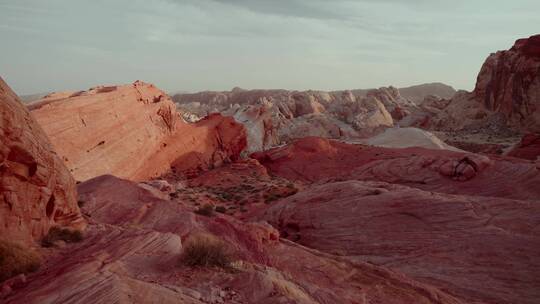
(36, 189)
(509, 83)
(477, 248)
(527, 148)
(133, 131)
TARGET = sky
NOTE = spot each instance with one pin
(195, 45)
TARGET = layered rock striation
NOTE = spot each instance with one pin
(133, 131)
(36, 189)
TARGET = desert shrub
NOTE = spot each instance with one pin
(226, 196)
(61, 234)
(206, 210)
(16, 259)
(270, 198)
(221, 209)
(206, 250)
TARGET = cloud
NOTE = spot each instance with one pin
(259, 43)
(313, 9)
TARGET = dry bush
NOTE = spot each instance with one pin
(221, 209)
(206, 250)
(206, 210)
(16, 259)
(61, 234)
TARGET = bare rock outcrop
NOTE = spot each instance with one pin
(477, 248)
(274, 117)
(527, 148)
(133, 131)
(318, 160)
(506, 95)
(36, 189)
(408, 137)
(509, 83)
(132, 254)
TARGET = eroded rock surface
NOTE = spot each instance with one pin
(36, 189)
(133, 131)
(408, 137)
(506, 96)
(527, 148)
(509, 83)
(274, 117)
(131, 254)
(318, 160)
(482, 249)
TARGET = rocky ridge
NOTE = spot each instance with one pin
(133, 131)
(274, 117)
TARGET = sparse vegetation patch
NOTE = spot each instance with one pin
(206, 250)
(61, 234)
(16, 259)
(206, 210)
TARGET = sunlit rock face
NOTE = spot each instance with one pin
(133, 131)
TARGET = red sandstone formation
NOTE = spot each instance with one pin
(481, 249)
(506, 94)
(381, 225)
(36, 189)
(132, 248)
(133, 131)
(528, 148)
(509, 83)
(274, 117)
(316, 160)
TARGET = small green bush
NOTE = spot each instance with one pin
(205, 250)
(16, 259)
(206, 210)
(61, 234)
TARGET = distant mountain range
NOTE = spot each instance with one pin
(417, 93)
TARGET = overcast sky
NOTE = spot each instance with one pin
(195, 45)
